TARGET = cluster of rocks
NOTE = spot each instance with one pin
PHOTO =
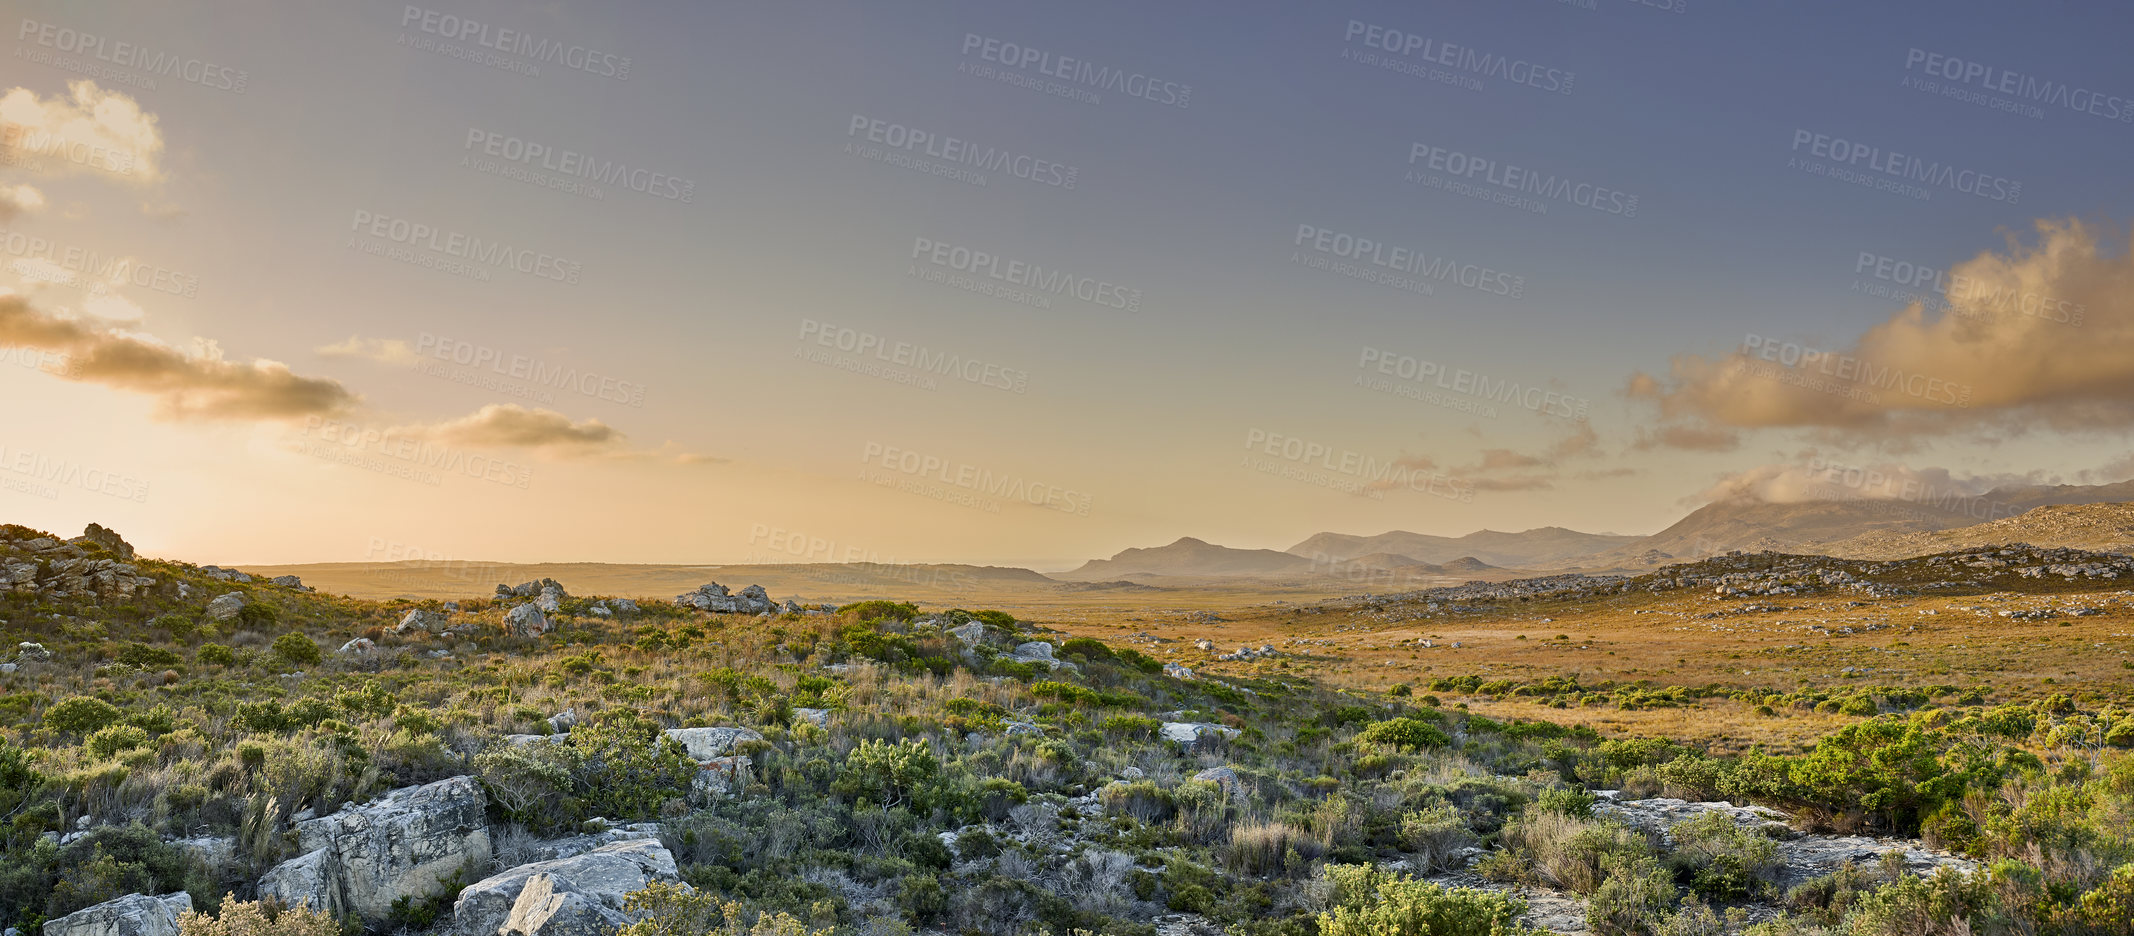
(720, 771)
(548, 594)
(1261, 652)
(1801, 855)
(413, 843)
(43, 566)
(713, 596)
(1031, 652)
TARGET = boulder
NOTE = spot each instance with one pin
(971, 634)
(717, 777)
(1040, 653)
(563, 721)
(290, 581)
(361, 646)
(603, 876)
(622, 606)
(1188, 735)
(709, 744)
(407, 843)
(551, 597)
(526, 621)
(131, 915)
(816, 716)
(421, 619)
(308, 880)
(1223, 777)
(549, 906)
(754, 600)
(225, 607)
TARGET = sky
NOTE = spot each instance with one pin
(1027, 284)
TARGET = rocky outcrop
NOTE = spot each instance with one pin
(715, 597)
(308, 880)
(405, 844)
(45, 567)
(1223, 777)
(131, 915)
(599, 878)
(421, 619)
(551, 906)
(109, 539)
(1039, 653)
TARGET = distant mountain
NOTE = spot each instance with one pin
(1543, 548)
(1188, 557)
(1808, 526)
(2099, 527)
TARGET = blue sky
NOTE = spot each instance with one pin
(1145, 412)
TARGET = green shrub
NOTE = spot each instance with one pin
(1092, 650)
(296, 648)
(215, 654)
(81, 715)
(878, 610)
(1403, 733)
(1369, 902)
(256, 616)
(111, 739)
(145, 656)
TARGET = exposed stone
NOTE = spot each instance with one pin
(421, 619)
(131, 915)
(526, 621)
(603, 875)
(361, 646)
(311, 879)
(1188, 735)
(405, 844)
(1040, 652)
(563, 721)
(1021, 728)
(106, 537)
(709, 744)
(1177, 671)
(225, 607)
(622, 606)
(819, 717)
(550, 907)
(1223, 777)
(971, 634)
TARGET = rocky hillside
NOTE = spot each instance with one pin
(2098, 527)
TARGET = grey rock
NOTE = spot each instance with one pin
(1223, 777)
(1021, 728)
(311, 879)
(526, 621)
(603, 875)
(1177, 671)
(1188, 735)
(549, 906)
(107, 538)
(971, 634)
(225, 607)
(563, 721)
(131, 915)
(361, 646)
(1132, 773)
(622, 606)
(819, 717)
(405, 844)
(288, 581)
(420, 619)
(709, 744)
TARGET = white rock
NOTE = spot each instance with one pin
(225, 607)
(405, 844)
(709, 744)
(526, 621)
(604, 875)
(1188, 734)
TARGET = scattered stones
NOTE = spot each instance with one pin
(1261, 652)
(1177, 671)
(715, 597)
(131, 915)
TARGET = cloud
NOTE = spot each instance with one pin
(509, 425)
(382, 350)
(89, 130)
(19, 200)
(195, 384)
(2033, 336)
(1822, 480)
